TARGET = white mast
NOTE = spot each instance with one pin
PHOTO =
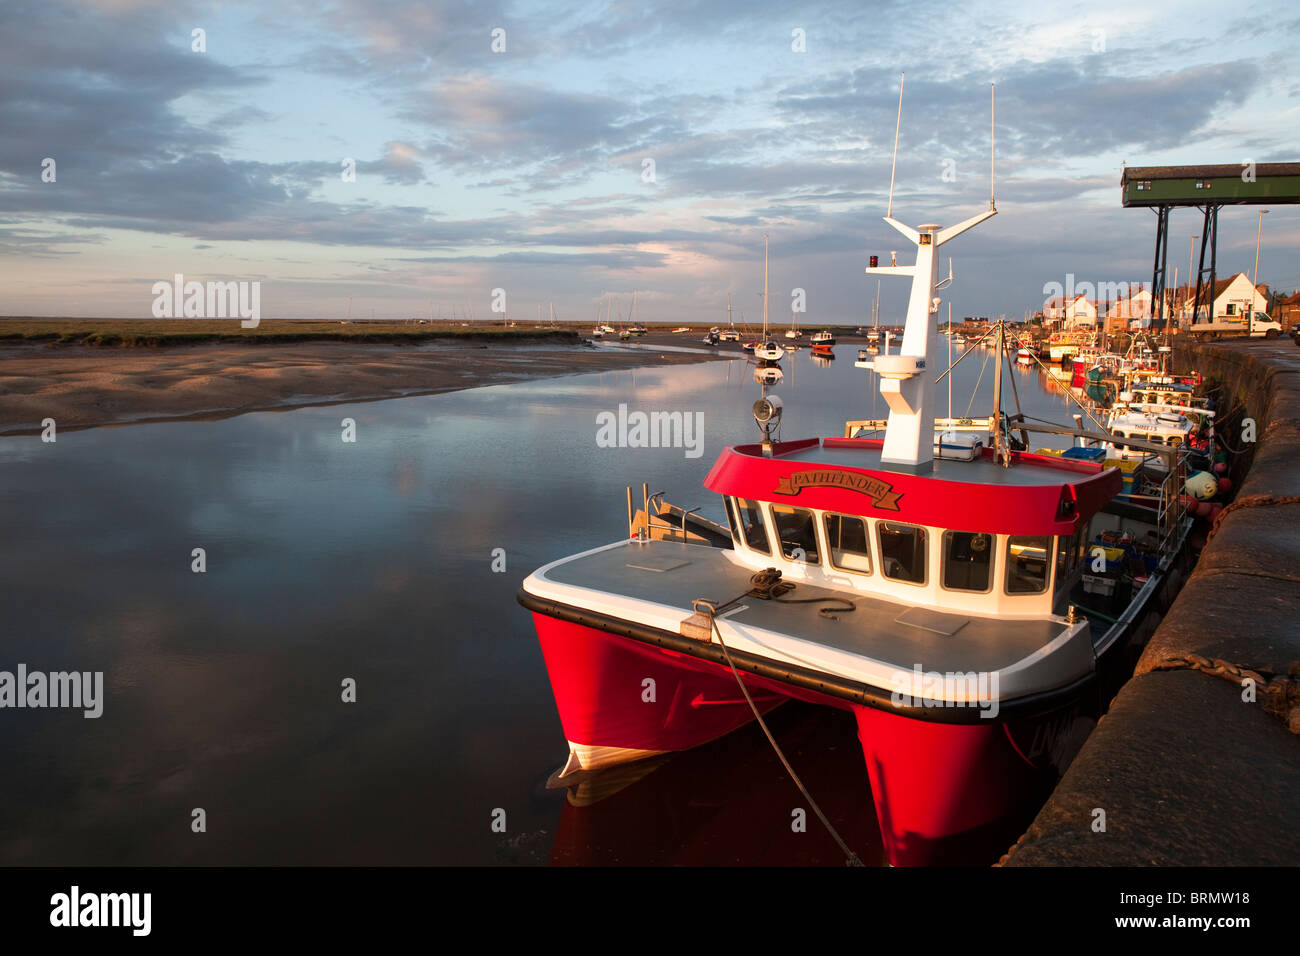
(906, 381)
(949, 337)
(765, 286)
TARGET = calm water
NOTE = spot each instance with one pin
(372, 560)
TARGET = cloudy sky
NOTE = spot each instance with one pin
(528, 168)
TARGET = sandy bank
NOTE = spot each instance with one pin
(85, 387)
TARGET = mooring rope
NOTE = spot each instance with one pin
(1249, 501)
(1278, 695)
(767, 585)
(850, 857)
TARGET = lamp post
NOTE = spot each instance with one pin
(1258, 232)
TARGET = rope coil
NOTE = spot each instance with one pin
(766, 585)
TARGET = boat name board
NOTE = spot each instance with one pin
(881, 493)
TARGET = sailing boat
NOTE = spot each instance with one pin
(793, 332)
(766, 350)
(729, 334)
(636, 328)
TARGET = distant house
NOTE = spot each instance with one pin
(1232, 297)
(1084, 313)
(1288, 311)
(1133, 312)
(1079, 312)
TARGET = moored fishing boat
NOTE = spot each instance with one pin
(948, 594)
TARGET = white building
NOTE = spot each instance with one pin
(1232, 297)
(1077, 313)
(1131, 313)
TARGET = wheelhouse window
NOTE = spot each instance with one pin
(730, 504)
(967, 561)
(850, 548)
(1027, 564)
(902, 551)
(1080, 546)
(752, 528)
(797, 531)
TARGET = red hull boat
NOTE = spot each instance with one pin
(953, 596)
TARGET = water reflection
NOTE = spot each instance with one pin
(372, 560)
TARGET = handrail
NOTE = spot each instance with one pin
(684, 516)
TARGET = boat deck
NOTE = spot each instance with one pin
(654, 584)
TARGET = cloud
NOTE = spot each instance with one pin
(531, 160)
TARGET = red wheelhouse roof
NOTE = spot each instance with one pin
(1036, 495)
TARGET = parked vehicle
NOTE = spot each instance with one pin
(1252, 324)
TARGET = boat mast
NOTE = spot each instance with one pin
(905, 380)
(765, 287)
(997, 400)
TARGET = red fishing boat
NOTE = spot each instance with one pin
(950, 595)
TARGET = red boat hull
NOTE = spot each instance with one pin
(601, 691)
(941, 791)
(946, 792)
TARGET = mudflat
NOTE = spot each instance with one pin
(84, 386)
